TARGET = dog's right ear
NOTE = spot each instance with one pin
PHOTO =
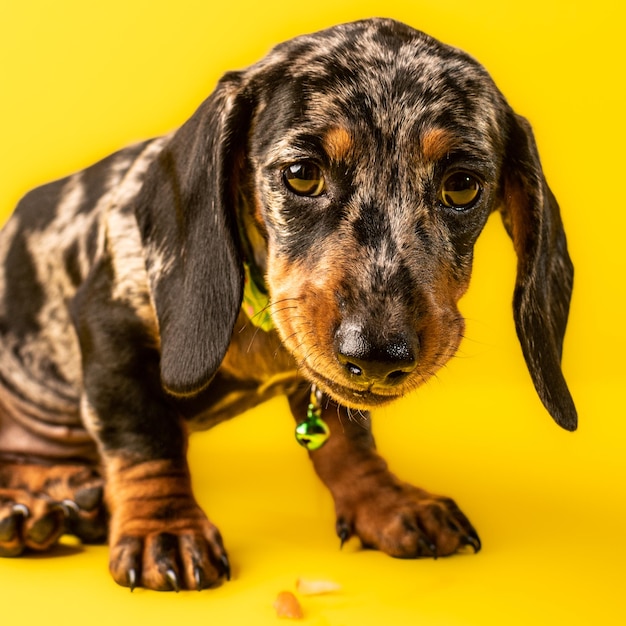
(187, 216)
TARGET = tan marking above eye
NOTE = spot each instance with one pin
(460, 190)
(304, 179)
(337, 143)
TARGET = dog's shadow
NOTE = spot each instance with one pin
(66, 546)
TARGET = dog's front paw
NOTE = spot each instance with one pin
(190, 557)
(160, 538)
(405, 522)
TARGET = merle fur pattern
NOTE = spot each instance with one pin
(121, 327)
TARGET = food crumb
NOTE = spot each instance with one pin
(287, 606)
(308, 587)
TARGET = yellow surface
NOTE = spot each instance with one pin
(80, 79)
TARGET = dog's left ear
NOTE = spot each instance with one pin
(544, 270)
(186, 214)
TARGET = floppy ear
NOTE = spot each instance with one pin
(186, 214)
(544, 270)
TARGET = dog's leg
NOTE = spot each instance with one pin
(371, 503)
(159, 537)
(39, 503)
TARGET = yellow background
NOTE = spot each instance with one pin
(80, 79)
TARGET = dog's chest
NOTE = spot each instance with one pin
(256, 368)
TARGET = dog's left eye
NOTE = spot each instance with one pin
(304, 179)
(460, 190)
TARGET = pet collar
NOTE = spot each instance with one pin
(256, 300)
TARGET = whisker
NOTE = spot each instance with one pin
(343, 428)
(362, 415)
(286, 308)
(254, 334)
(349, 413)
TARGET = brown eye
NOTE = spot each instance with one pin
(460, 190)
(304, 179)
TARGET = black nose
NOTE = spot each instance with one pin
(385, 361)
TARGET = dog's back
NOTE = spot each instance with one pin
(47, 248)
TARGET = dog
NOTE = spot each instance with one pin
(313, 223)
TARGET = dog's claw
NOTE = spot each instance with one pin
(473, 541)
(172, 579)
(132, 579)
(428, 547)
(69, 507)
(225, 566)
(198, 576)
(433, 549)
(21, 509)
(344, 532)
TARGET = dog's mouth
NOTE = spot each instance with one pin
(352, 397)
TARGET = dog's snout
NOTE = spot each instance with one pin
(370, 359)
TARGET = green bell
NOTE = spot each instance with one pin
(313, 432)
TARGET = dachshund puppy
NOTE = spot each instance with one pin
(312, 223)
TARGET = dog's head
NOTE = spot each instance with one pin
(357, 166)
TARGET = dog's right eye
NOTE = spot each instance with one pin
(304, 179)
